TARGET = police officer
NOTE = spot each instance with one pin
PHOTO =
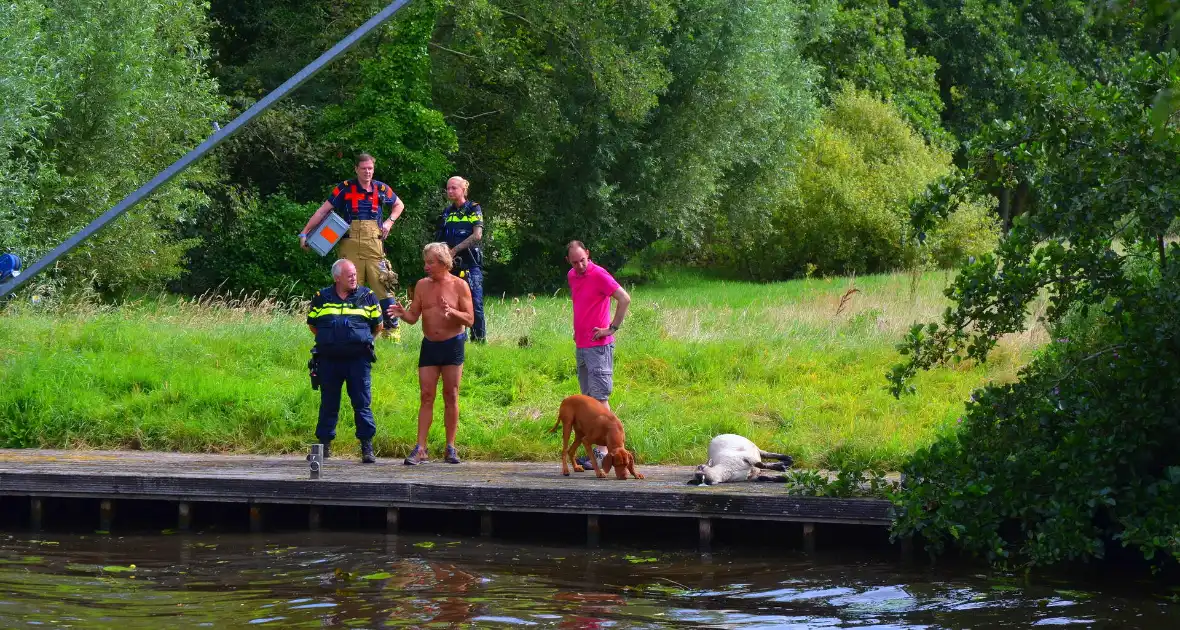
(461, 228)
(358, 201)
(344, 318)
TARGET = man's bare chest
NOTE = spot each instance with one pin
(434, 297)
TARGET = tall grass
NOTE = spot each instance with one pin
(797, 366)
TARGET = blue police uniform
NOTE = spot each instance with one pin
(454, 226)
(344, 353)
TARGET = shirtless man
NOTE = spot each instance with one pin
(443, 301)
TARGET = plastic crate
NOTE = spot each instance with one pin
(329, 232)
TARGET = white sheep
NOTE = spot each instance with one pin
(734, 458)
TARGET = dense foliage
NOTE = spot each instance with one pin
(281, 168)
(617, 123)
(1078, 455)
(844, 211)
(621, 124)
(863, 44)
(97, 97)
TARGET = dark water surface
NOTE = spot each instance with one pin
(369, 581)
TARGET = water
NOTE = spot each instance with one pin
(372, 581)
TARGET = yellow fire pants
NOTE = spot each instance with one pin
(363, 248)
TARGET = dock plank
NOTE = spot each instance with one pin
(482, 486)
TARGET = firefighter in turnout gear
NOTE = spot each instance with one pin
(359, 202)
(461, 228)
(345, 317)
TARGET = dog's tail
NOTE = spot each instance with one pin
(786, 459)
(554, 429)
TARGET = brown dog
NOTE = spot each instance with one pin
(593, 424)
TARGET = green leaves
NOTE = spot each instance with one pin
(863, 44)
(845, 207)
(1089, 193)
(618, 123)
(1076, 454)
(98, 97)
(277, 171)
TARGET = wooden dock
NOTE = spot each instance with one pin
(487, 488)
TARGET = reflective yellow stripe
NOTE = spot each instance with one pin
(456, 218)
(341, 309)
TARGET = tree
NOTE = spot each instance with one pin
(616, 123)
(982, 46)
(98, 97)
(986, 50)
(844, 208)
(25, 92)
(864, 46)
(1077, 456)
(545, 98)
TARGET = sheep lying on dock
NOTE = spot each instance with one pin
(734, 458)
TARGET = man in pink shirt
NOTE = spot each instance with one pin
(591, 289)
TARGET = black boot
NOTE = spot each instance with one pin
(327, 450)
(367, 456)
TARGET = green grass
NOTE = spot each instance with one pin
(696, 357)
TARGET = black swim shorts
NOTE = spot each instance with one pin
(449, 352)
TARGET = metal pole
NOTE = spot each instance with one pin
(179, 165)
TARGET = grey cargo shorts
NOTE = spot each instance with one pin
(596, 371)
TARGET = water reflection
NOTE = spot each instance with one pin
(351, 580)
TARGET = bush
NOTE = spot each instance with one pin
(258, 251)
(653, 263)
(1076, 458)
(845, 209)
(970, 231)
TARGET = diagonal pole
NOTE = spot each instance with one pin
(218, 136)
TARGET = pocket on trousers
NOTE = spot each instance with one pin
(602, 359)
(601, 383)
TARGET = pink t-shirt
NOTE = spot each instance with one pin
(591, 295)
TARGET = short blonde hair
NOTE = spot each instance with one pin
(462, 182)
(441, 251)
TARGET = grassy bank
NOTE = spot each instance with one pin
(783, 364)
